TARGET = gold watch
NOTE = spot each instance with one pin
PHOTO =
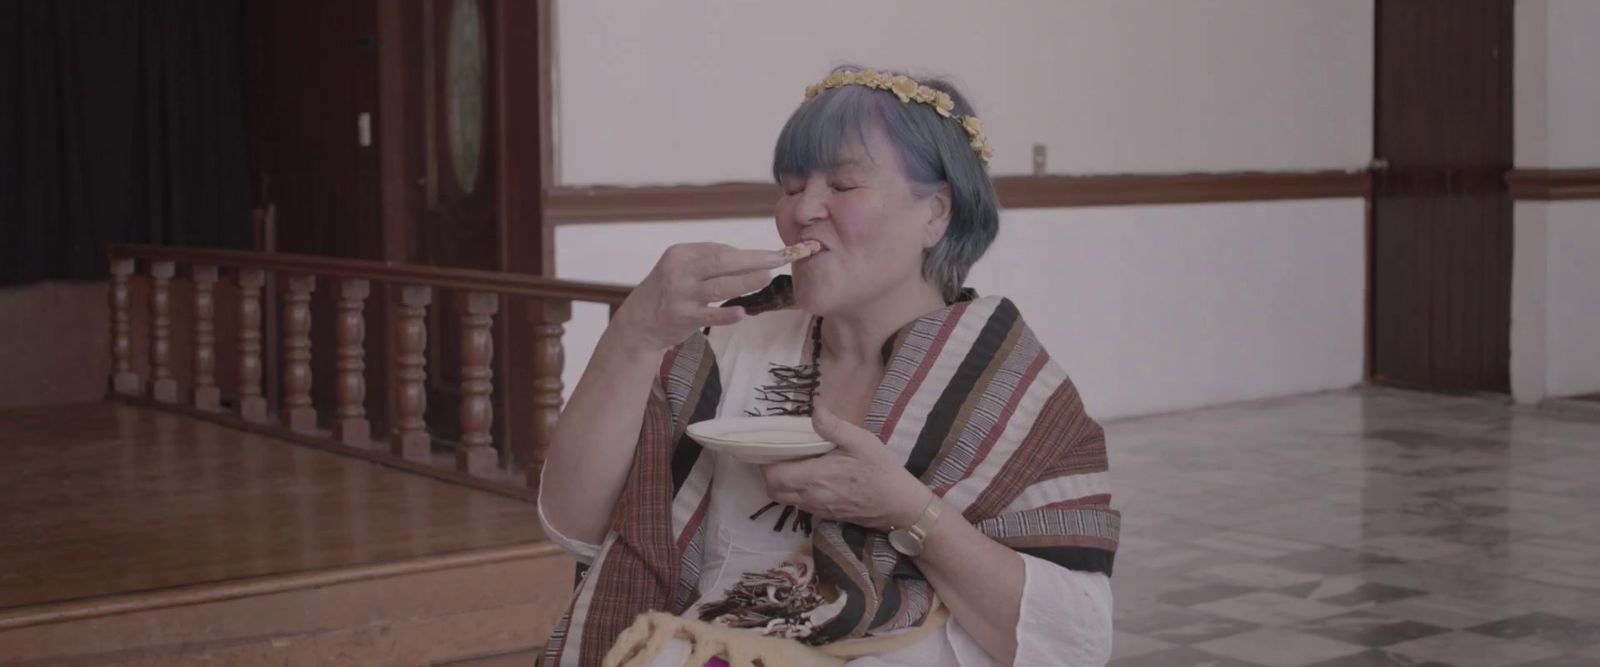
(911, 541)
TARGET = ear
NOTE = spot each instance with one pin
(939, 216)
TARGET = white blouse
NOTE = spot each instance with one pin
(1065, 615)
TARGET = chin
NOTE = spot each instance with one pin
(815, 298)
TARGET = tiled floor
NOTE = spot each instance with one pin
(1368, 527)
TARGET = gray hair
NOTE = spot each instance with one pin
(933, 150)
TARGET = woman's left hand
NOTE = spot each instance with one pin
(859, 482)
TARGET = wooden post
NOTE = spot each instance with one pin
(351, 427)
(206, 394)
(411, 440)
(477, 456)
(549, 357)
(123, 379)
(298, 413)
(252, 405)
(163, 387)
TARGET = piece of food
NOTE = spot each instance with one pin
(800, 251)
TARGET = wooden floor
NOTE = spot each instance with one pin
(106, 499)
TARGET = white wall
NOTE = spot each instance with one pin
(1148, 308)
(1555, 330)
(694, 91)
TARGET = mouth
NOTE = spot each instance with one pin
(821, 247)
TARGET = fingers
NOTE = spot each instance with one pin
(846, 435)
(787, 483)
(717, 290)
(720, 317)
(730, 261)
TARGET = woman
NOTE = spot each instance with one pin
(963, 518)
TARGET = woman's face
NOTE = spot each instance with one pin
(872, 224)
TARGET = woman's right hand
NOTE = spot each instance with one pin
(672, 302)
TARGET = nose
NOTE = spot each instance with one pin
(812, 206)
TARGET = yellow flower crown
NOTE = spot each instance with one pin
(908, 90)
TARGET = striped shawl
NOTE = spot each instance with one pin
(970, 400)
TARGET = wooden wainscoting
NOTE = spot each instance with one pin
(579, 205)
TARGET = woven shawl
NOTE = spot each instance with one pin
(969, 399)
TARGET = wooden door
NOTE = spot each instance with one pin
(1441, 218)
(484, 115)
(312, 98)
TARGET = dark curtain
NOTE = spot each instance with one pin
(122, 121)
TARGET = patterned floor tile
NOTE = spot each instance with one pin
(1413, 547)
(1253, 546)
(1561, 661)
(1378, 658)
(1269, 608)
(1363, 518)
(1548, 629)
(1280, 647)
(1183, 626)
(1129, 645)
(1445, 611)
(1182, 657)
(1468, 649)
(1193, 594)
(1333, 561)
(1368, 629)
(1351, 591)
(1255, 575)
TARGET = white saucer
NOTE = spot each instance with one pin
(760, 440)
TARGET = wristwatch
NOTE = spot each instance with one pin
(911, 541)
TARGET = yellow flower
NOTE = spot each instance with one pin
(837, 79)
(812, 90)
(924, 94)
(943, 104)
(903, 87)
(972, 125)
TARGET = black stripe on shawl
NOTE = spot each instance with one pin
(687, 452)
(855, 540)
(948, 408)
(1080, 559)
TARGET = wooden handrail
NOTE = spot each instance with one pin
(510, 284)
(544, 304)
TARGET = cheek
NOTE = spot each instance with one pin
(788, 229)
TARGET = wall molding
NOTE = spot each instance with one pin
(601, 204)
(1551, 184)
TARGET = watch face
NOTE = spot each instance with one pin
(905, 543)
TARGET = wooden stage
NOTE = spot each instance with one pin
(134, 536)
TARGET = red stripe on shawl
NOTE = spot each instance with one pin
(694, 522)
(993, 436)
(1086, 502)
(1061, 427)
(921, 374)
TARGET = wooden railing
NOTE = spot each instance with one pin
(409, 291)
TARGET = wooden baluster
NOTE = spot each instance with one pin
(352, 427)
(123, 379)
(163, 387)
(549, 319)
(252, 405)
(411, 440)
(477, 456)
(298, 413)
(206, 394)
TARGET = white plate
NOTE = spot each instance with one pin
(760, 440)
